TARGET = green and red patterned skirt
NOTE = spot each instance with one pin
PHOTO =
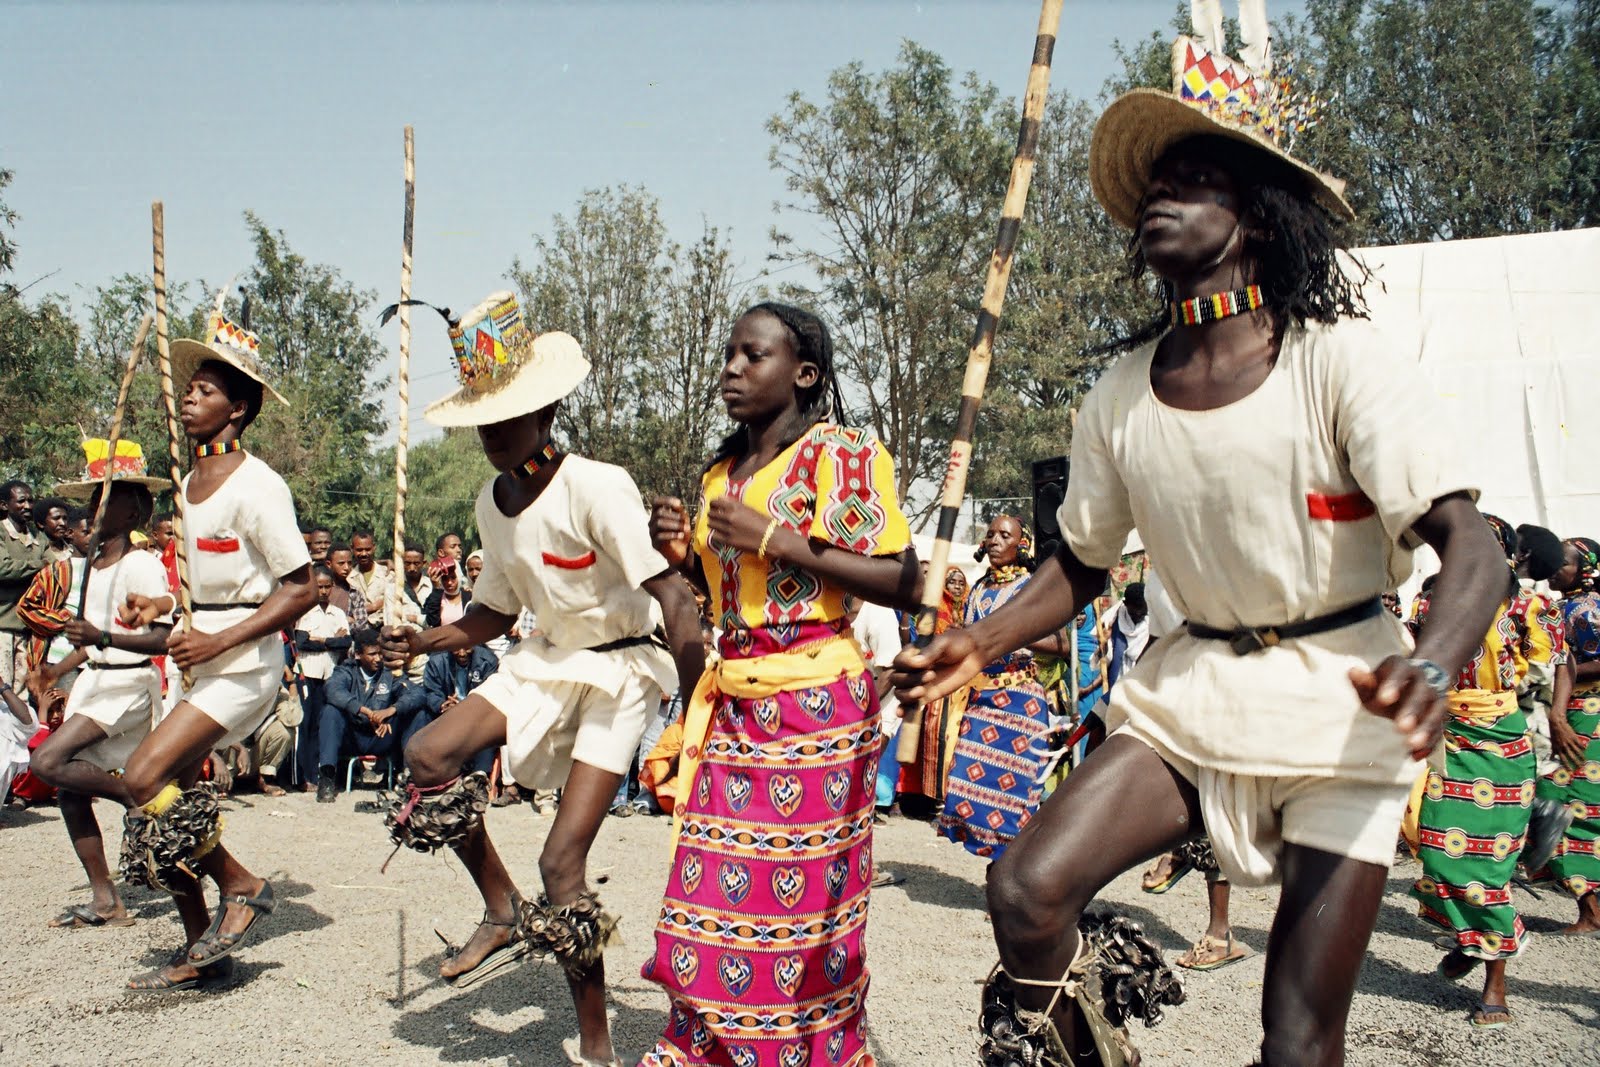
(1473, 821)
(1575, 864)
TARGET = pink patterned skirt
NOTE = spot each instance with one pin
(760, 940)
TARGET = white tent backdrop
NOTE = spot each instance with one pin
(1508, 331)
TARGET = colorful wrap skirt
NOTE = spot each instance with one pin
(760, 943)
(995, 783)
(1575, 864)
(1472, 824)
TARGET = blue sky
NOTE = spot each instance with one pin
(295, 111)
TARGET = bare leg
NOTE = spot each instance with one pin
(1121, 807)
(562, 865)
(1217, 894)
(1314, 955)
(79, 782)
(434, 756)
(57, 763)
(77, 811)
(177, 749)
(1494, 993)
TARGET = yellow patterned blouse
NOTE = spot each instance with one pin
(835, 485)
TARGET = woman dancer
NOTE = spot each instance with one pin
(1473, 817)
(994, 783)
(1575, 734)
(566, 538)
(759, 945)
(250, 573)
(1280, 461)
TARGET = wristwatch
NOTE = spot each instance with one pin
(103, 642)
(1433, 676)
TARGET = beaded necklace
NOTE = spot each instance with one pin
(534, 465)
(202, 451)
(1202, 309)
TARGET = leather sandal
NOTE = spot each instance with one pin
(215, 945)
(157, 982)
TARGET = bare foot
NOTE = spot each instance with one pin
(489, 936)
(269, 788)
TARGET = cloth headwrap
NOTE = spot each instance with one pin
(1588, 559)
(1505, 533)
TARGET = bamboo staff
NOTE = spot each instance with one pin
(175, 472)
(111, 456)
(392, 615)
(978, 358)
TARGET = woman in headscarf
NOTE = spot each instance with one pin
(994, 784)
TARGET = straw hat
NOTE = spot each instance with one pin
(225, 342)
(1211, 95)
(505, 370)
(128, 466)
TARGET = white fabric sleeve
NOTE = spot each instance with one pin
(617, 523)
(1096, 516)
(1392, 429)
(148, 577)
(493, 587)
(268, 510)
(878, 633)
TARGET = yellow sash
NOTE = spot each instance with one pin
(1480, 705)
(811, 665)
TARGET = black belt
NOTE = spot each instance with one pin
(655, 638)
(95, 665)
(227, 607)
(1256, 638)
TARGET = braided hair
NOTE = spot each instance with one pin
(1300, 271)
(818, 401)
(1588, 561)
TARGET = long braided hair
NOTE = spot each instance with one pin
(817, 402)
(1302, 275)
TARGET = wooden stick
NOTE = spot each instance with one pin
(978, 358)
(169, 398)
(111, 456)
(391, 604)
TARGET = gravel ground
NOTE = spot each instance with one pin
(345, 972)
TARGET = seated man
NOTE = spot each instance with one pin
(359, 713)
(446, 681)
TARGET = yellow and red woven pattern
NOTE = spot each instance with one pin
(129, 458)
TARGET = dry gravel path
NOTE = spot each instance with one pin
(345, 971)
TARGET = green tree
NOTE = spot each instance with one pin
(321, 352)
(443, 477)
(1070, 297)
(39, 379)
(903, 172)
(8, 219)
(651, 316)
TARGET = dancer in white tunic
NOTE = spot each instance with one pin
(568, 539)
(117, 697)
(250, 574)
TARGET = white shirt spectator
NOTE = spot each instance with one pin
(320, 624)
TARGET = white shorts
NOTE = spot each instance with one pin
(125, 704)
(239, 703)
(1250, 818)
(551, 724)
